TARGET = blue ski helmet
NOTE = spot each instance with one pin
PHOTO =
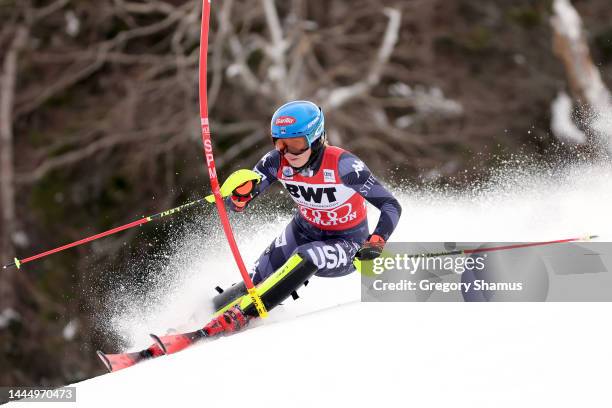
(298, 119)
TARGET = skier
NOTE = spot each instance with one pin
(330, 187)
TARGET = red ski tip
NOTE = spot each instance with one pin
(105, 361)
(173, 343)
(116, 362)
(159, 342)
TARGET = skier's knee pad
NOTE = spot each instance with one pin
(278, 286)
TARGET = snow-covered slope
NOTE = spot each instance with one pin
(328, 349)
(385, 355)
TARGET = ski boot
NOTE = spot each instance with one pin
(230, 321)
(228, 295)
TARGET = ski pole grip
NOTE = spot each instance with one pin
(16, 264)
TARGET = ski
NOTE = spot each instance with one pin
(167, 344)
(173, 343)
(116, 362)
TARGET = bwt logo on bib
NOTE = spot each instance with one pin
(312, 194)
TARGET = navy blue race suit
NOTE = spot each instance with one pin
(319, 232)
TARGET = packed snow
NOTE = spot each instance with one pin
(329, 349)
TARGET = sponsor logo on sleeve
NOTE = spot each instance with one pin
(358, 166)
(261, 174)
(367, 186)
(265, 158)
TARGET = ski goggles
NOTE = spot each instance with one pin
(293, 145)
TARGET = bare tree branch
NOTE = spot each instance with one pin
(67, 81)
(149, 7)
(276, 50)
(8, 87)
(225, 27)
(86, 152)
(241, 69)
(340, 96)
(42, 13)
(586, 84)
(238, 149)
(79, 72)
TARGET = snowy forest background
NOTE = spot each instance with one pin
(99, 120)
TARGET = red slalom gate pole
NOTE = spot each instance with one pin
(210, 162)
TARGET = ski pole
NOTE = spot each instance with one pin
(357, 262)
(18, 262)
(504, 247)
(210, 162)
(236, 179)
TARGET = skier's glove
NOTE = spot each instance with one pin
(242, 195)
(371, 249)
